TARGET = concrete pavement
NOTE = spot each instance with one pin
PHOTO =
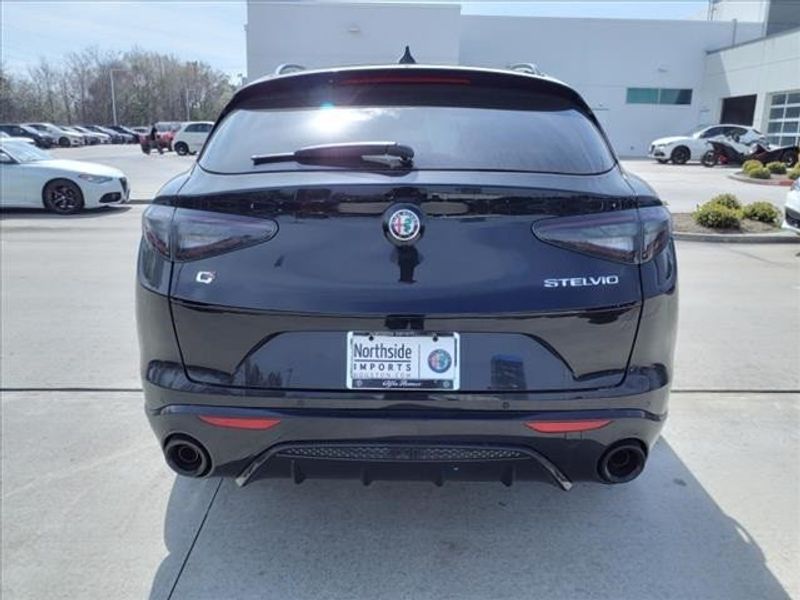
(90, 511)
(739, 324)
(64, 280)
(683, 187)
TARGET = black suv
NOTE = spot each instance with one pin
(407, 272)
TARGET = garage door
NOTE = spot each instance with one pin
(783, 125)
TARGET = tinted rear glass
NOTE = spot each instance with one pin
(552, 137)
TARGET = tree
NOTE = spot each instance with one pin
(148, 87)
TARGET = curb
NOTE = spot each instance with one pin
(739, 238)
(780, 182)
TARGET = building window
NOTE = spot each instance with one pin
(642, 96)
(783, 125)
(659, 96)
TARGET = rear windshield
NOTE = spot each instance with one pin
(558, 138)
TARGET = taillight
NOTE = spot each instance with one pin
(199, 234)
(656, 231)
(156, 222)
(185, 234)
(624, 236)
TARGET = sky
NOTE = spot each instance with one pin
(213, 30)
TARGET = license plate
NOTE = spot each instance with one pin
(403, 361)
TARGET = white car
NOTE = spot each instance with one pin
(683, 148)
(4, 137)
(791, 211)
(88, 138)
(64, 138)
(31, 178)
(190, 138)
(102, 138)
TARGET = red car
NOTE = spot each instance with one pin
(166, 133)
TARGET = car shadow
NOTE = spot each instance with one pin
(9, 214)
(662, 536)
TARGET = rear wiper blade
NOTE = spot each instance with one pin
(387, 153)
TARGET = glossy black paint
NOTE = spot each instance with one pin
(268, 336)
(644, 386)
(575, 455)
(303, 351)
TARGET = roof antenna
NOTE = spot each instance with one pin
(407, 59)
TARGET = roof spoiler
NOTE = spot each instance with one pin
(301, 80)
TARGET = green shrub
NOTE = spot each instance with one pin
(794, 173)
(726, 200)
(762, 173)
(777, 167)
(751, 164)
(761, 211)
(717, 216)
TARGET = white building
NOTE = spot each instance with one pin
(775, 15)
(644, 78)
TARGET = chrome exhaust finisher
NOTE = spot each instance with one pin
(377, 453)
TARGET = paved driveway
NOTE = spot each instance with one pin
(686, 186)
(89, 511)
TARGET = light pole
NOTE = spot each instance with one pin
(188, 106)
(113, 96)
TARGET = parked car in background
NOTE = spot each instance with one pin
(172, 126)
(33, 179)
(131, 137)
(167, 130)
(190, 138)
(791, 210)
(101, 138)
(63, 137)
(165, 136)
(114, 136)
(88, 139)
(338, 291)
(40, 138)
(4, 137)
(683, 148)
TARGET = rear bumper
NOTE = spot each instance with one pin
(405, 443)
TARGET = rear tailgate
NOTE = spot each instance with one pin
(531, 315)
(495, 154)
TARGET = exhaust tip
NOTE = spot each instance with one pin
(187, 456)
(622, 462)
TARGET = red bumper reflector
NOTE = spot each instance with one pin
(567, 426)
(240, 422)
